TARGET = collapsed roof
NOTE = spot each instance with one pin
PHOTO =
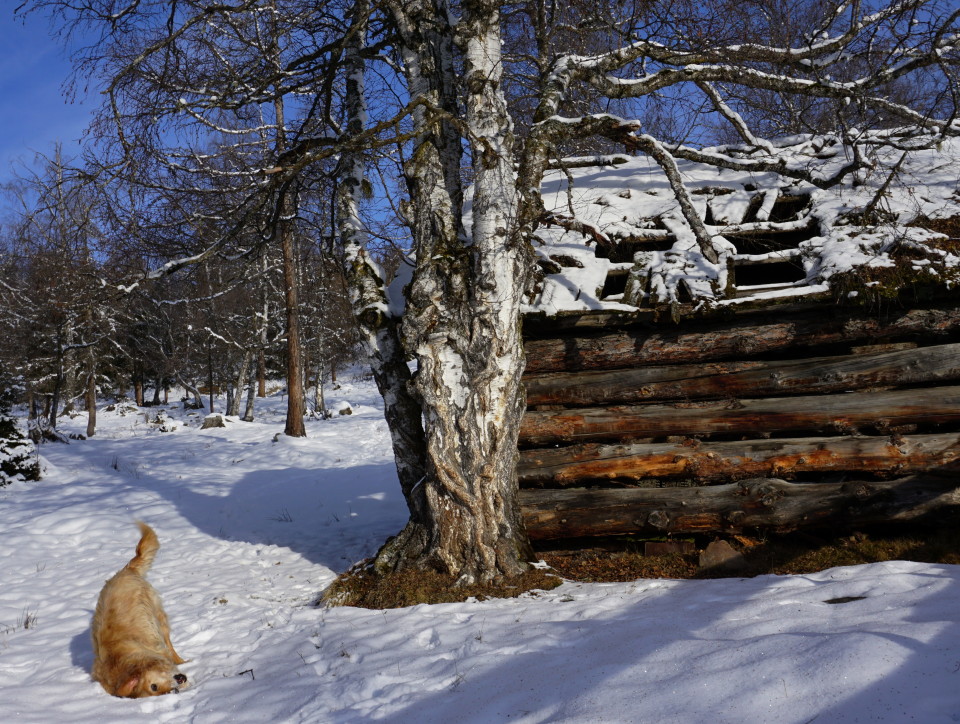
(777, 235)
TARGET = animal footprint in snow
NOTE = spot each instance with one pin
(428, 639)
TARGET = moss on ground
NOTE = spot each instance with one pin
(364, 588)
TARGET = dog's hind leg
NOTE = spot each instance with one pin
(165, 630)
(177, 659)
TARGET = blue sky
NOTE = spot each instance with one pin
(34, 112)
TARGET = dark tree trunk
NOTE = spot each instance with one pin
(261, 374)
(296, 399)
(295, 407)
(210, 374)
(91, 398)
(57, 387)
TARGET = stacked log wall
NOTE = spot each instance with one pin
(776, 418)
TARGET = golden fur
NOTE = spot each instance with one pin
(132, 653)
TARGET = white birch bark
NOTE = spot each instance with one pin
(368, 296)
(463, 304)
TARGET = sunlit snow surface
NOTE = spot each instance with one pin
(252, 530)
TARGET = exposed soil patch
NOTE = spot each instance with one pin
(798, 553)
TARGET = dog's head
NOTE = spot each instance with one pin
(152, 680)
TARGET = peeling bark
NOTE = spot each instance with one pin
(368, 296)
(463, 305)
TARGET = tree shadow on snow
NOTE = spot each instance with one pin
(633, 663)
(331, 516)
(924, 686)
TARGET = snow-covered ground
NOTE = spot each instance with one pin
(252, 530)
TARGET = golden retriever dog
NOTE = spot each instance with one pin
(132, 653)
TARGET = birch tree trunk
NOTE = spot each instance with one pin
(368, 298)
(251, 392)
(319, 403)
(463, 304)
(234, 407)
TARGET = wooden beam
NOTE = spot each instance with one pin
(581, 465)
(769, 504)
(824, 413)
(750, 378)
(737, 339)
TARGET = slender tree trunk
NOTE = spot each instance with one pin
(379, 329)
(91, 397)
(234, 408)
(295, 396)
(296, 399)
(319, 404)
(69, 368)
(261, 373)
(91, 382)
(251, 392)
(210, 373)
(263, 317)
(138, 386)
(57, 386)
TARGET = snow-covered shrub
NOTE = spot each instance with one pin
(17, 458)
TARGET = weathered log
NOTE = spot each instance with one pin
(697, 342)
(826, 413)
(538, 325)
(746, 378)
(579, 465)
(768, 504)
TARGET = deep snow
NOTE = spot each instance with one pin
(252, 530)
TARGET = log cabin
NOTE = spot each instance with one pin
(808, 377)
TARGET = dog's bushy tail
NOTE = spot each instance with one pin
(146, 550)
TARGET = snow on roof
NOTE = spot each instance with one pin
(776, 235)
